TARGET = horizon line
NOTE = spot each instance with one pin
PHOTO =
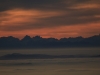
(45, 38)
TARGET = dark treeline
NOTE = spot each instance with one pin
(39, 42)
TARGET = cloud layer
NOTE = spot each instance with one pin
(21, 15)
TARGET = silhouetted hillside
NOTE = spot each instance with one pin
(39, 42)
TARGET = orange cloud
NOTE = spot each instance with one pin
(67, 19)
(20, 17)
(85, 6)
(59, 32)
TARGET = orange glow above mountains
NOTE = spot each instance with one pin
(78, 19)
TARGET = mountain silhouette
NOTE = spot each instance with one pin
(39, 42)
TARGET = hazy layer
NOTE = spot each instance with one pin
(55, 51)
(69, 66)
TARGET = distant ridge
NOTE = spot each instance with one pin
(15, 56)
(39, 42)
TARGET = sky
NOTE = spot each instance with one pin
(49, 18)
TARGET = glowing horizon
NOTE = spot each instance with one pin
(58, 19)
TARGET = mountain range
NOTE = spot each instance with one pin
(39, 42)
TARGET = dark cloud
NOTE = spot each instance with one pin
(30, 4)
(41, 4)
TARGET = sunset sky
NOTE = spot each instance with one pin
(49, 18)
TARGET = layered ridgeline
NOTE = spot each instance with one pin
(15, 56)
(39, 42)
